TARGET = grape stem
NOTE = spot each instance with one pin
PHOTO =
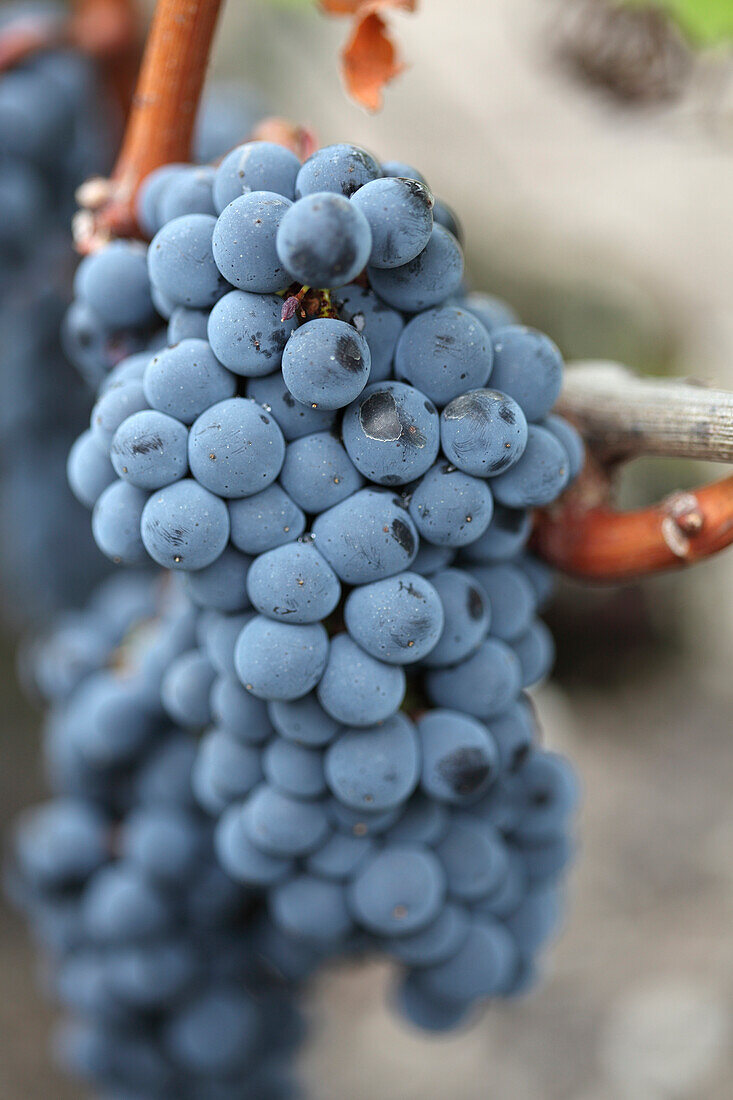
(623, 416)
(161, 121)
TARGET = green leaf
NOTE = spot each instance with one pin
(706, 22)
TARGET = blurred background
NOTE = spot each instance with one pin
(590, 157)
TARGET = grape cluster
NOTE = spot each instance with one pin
(52, 135)
(164, 965)
(340, 449)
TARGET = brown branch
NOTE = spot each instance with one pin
(623, 416)
(600, 544)
(163, 115)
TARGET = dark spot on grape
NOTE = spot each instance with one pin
(475, 603)
(145, 446)
(465, 770)
(288, 399)
(378, 417)
(391, 479)
(264, 419)
(431, 407)
(540, 798)
(347, 354)
(507, 414)
(402, 534)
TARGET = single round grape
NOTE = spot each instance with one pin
(247, 333)
(481, 967)
(119, 905)
(150, 194)
(505, 537)
(293, 583)
(397, 620)
(341, 168)
(514, 731)
(423, 1011)
(184, 526)
(294, 769)
(368, 536)
(459, 756)
(221, 585)
(88, 470)
(445, 215)
(482, 685)
(399, 891)
(324, 241)
(149, 450)
(529, 367)
(434, 944)
(255, 166)
(218, 635)
(187, 192)
(326, 363)
(235, 449)
(187, 324)
(283, 826)
(265, 520)
(129, 369)
(536, 651)
(400, 216)
(114, 281)
(483, 432)
(427, 280)
(538, 477)
(406, 171)
(549, 795)
(391, 433)
(376, 768)
(280, 660)
(225, 772)
(451, 508)
(444, 352)
(303, 721)
(294, 418)
(357, 689)
(317, 472)
(181, 263)
(186, 688)
(312, 909)
(60, 843)
(467, 616)
(475, 858)
(492, 312)
(114, 406)
(244, 242)
(215, 1033)
(540, 576)
(238, 712)
(116, 523)
(240, 858)
(424, 821)
(340, 857)
(164, 842)
(510, 597)
(571, 440)
(375, 321)
(187, 379)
